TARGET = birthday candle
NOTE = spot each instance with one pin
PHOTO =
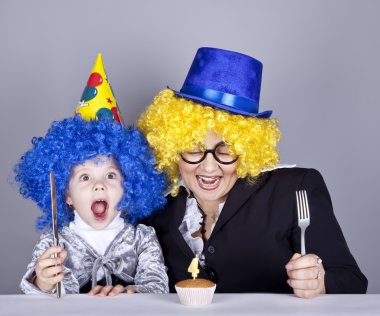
(193, 267)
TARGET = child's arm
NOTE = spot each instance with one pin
(28, 283)
(49, 270)
(151, 274)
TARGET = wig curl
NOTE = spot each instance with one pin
(173, 125)
(71, 142)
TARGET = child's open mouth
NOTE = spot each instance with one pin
(99, 209)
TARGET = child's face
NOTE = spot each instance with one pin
(95, 189)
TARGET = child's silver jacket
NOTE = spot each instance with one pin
(134, 256)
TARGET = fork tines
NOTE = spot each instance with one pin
(302, 205)
(303, 216)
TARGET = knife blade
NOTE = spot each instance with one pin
(54, 223)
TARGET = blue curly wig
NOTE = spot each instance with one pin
(73, 141)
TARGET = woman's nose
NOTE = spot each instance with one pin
(209, 164)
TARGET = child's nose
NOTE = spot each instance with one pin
(99, 186)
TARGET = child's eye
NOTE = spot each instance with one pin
(84, 177)
(111, 175)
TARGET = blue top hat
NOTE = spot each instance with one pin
(225, 80)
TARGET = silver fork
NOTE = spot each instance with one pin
(303, 216)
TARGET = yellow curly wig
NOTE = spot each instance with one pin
(173, 125)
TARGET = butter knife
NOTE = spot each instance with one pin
(54, 224)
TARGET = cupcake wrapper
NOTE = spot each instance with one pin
(195, 296)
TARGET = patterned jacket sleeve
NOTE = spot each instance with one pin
(150, 274)
(70, 284)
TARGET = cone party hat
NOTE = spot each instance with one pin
(98, 101)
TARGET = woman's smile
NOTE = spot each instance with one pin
(209, 183)
(209, 180)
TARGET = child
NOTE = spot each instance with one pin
(105, 182)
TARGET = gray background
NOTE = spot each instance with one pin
(321, 78)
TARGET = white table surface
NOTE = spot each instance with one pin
(168, 304)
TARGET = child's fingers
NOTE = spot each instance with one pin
(117, 289)
(49, 274)
(50, 251)
(62, 255)
(55, 279)
(130, 290)
(105, 290)
(45, 264)
(96, 290)
(52, 271)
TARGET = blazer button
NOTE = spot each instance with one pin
(211, 249)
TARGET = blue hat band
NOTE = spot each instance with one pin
(226, 99)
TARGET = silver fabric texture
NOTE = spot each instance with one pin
(134, 256)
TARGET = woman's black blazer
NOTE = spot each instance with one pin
(257, 233)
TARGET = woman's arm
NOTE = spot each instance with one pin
(324, 238)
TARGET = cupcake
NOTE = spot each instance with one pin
(195, 292)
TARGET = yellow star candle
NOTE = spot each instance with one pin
(193, 267)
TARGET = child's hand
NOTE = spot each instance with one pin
(49, 270)
(110, 290)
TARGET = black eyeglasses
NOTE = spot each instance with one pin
(220, 153)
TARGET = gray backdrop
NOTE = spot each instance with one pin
(321, 75)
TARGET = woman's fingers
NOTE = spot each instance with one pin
(306, 275)
(300, 262)
(304, 284)
(306, 294)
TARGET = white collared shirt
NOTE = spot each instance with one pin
(192, 220)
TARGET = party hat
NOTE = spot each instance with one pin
(97, 100)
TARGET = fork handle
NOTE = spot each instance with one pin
(303, 251)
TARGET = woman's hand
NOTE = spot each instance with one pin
(49, 270)
(110, 290)
(306, 275)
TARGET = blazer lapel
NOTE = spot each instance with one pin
(238, 195)
(178, 208)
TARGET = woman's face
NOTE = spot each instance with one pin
(210, 181)
(95, 189)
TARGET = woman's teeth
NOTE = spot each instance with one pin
(208, 183)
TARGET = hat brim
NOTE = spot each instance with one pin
(265, 114)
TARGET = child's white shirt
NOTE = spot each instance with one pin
(99, 239)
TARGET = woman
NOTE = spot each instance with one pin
(231, 204)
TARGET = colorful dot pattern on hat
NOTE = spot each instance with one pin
(98, 101)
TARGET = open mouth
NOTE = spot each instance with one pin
(209, 183)
(99, 209)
